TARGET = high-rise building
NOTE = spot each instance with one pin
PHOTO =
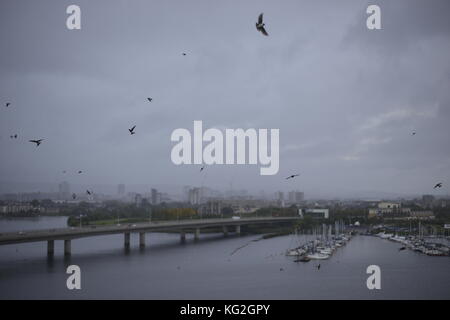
(295, 197)
(155, 197)
(64, 190)
(291, 196)
(121, 189)
(280, 198)
(194, 196)
(279, 195)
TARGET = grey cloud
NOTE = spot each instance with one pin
(332, 87)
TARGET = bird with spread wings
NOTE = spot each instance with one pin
(260, 25)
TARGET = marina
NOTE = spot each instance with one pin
(424, 239)
(322, 242)
(320, 247)
(431, 246)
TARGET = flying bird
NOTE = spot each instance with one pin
(183, 54)
(132, 130)
(414, 133)
(8, 104)
(260, 25)
(13, 136)
(402, 248)
(88, 192)
(438, 185)
(38, 142)
(293, 176)
(74, 196)
(201, 169)
(149, 99)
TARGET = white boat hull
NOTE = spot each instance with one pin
(318, 256)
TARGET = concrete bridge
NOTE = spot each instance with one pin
(181, 226)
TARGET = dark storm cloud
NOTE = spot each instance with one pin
(344, 98)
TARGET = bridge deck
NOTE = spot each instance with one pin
(160, 226)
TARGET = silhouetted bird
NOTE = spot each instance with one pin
(438, 185)
(150, 99)
(38, 142)
(318, 266)
(414, 133)
(201, 169)
(402, 248)
(13, 136)
(8, 104)
(281, 269)
(74, 196)
(293, 176)
(183, 54)
(88, 192)
(132, 130)
(260, 25)
(79, 171)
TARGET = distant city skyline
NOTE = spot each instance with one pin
(181, 193)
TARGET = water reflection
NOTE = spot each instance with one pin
(211, 268)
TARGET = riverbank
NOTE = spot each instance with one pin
(211, 268)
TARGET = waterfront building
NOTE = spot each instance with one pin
(314, 213)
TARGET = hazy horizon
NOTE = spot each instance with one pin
(177, 191)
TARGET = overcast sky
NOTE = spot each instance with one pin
(346, 99)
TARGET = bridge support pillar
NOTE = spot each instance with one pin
(141, 239)
(67, 247)
(238, 230)
(197, 234)
(225, 231)
(126, 240)
(182, 236)
(50, 248)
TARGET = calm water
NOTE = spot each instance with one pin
(206, 269)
